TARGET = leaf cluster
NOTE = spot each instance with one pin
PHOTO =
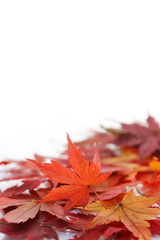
(111, 192)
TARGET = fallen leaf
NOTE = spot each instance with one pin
(43, 226)
(132, 211)
(7, 202)
(147, 138)
(22, 213)
(154, 164)
(28, 209)
(155, 226)
(79, 182)
(128, 159)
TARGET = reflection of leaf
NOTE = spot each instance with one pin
(79, 182)
(132, 210)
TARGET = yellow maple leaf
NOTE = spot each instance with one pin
(155, 164)
(127, 155)
(131, 210)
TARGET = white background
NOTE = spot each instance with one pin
(67, 66)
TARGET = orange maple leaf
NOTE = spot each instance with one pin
(155, 164)
(79, 181)
(132, 210)
(126, 159)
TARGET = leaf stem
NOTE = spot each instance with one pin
(98, 197)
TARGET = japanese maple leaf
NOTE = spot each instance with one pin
(127, 159)
(43, 226)
(79, 181)
(132, 211)
(155, 226)
(146, 138)
(155, 164)
(150, 187)
(28, 208)
(101, 233)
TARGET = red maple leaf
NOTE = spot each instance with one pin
(79, 181)
(43, 226)
(147, 138)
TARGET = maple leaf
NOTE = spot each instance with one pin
(151, 187)
(43, 226)
(154, 164)
(100, 139)
(7, 202)
(99, 233)
(155, 226)
(127, 159)
(17, 170)
(22, 213)
(146, 138)
(32, 210)
(132, 211)
(112, 187)
(28, 209)
(79, 182)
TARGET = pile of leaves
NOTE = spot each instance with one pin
(105, 187)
